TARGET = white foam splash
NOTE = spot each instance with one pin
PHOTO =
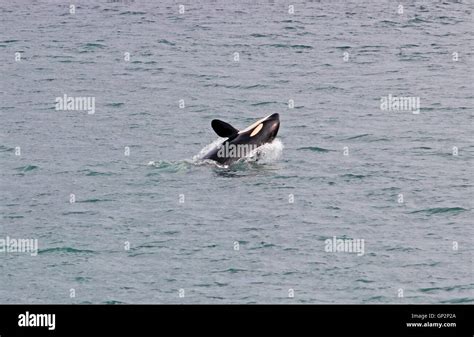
(266, 153)
(206, 149)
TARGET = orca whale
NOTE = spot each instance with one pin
(240, 143)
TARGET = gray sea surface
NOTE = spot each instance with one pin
(160, 226)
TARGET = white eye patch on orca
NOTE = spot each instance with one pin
(256, 130)
(254, 124)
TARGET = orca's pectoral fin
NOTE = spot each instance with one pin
(223, 129)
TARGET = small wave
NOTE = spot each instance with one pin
(353, 176)
(264, 103)
(438, 210)
(202, 285)
(403, 249)
(254, 86)
(27, 168)
(79, 212)
(377, 299)
(230, 270)
(4, 148)
(263, 245)
(294, 46)
(115, 105)
(364, 281)
(65, 250)
(221, 284)
(388, 23)
(132, 13)
(314, 149)
(343, 47)
(259, 35)
(422, 148)
(93, 45)
(447, 288)
(94, 200)
(90, 173)
(13, 216)
(164, 41)
(459, 300)
(113, 302)
(166, 166)
(358, 136)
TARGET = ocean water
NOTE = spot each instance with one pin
(160, 226)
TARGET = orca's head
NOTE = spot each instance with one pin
(261, 132)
